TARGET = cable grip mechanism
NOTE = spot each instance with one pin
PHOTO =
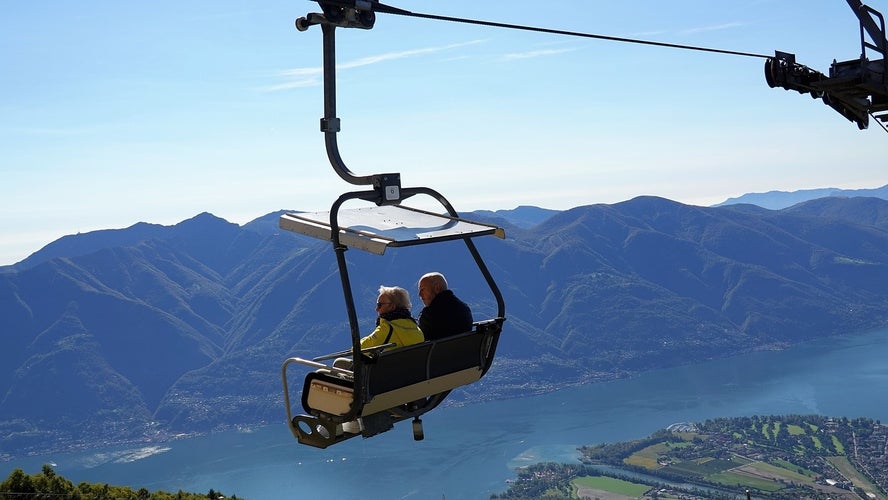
(341, 13)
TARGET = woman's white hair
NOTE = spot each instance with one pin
(398, 296)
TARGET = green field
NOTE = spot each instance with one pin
(732, 479)
(794, 430)
(702, 466)
(647, 457)
(838, 445)
(793, 467)
(856, 477)
(612, 485)
(789, 474)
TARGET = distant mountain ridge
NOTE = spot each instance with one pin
(150, 331)
(523, 216)
(776, 200)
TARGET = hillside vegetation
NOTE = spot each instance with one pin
(48, 484)
(775, 457)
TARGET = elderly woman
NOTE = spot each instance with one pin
(394, 324)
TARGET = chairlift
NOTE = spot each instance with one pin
(382, 387)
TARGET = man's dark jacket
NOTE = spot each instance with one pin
(445, 315)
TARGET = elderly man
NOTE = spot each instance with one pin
(444, 314)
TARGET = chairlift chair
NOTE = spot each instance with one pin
(382, 387)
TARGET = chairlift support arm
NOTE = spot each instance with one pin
(347, 14)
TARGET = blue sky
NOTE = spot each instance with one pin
(121, 112)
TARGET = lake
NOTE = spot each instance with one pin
(470, 452)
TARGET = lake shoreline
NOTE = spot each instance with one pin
(484, 443)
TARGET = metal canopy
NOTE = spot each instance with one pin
(373, 229)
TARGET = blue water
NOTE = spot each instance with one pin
(470, 452)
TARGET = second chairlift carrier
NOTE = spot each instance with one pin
(383, 387)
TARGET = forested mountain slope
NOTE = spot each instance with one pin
(154, 330)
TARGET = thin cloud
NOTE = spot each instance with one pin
(646, 34)
(717, 27)
(299, 77)
(309, 77)
(536, 53)
(50, 131)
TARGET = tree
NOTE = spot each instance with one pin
(48, 484)
(18, 482)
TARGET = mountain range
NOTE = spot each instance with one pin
(776, 200)
(151, 331)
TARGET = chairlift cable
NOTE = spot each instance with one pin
(379, 7)
(436, 17)
(857, 91)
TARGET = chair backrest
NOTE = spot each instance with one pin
(417, 363)
(398, 368)
(407, 366)
(452, 354)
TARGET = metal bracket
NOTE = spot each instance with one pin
(347, 14)
(856, 88)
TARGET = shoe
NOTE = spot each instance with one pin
(353, 427)
(326, 434)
